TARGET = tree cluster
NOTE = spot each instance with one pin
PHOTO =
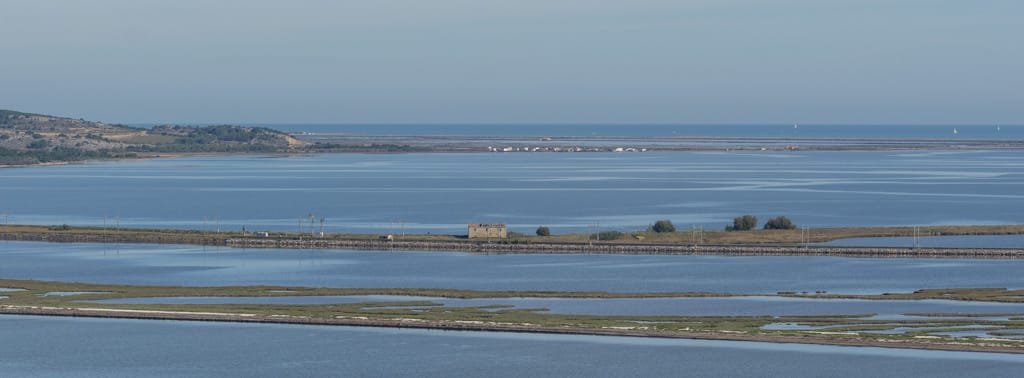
(749, 222)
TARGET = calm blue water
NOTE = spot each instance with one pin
(728, 306)
(783, 131)
(198, 266)
(72, 347)
(441, 193)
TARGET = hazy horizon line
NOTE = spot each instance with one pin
(556, 124)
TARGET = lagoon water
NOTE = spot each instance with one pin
(76, 347)
(199, 266)
(441, 193)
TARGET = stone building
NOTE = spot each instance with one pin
(481, 231)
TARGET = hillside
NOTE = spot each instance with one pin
(27, 138)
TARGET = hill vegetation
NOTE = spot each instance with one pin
(27, 138)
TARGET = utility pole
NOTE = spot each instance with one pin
(322, 220)
(5, 224)
(595, 231)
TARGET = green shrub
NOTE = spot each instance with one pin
(39, 144)
(779, 223)
(663, 225)
(543, 231)
(743, 223)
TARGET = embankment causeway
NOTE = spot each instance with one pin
(495, 247)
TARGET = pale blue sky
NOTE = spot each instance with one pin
(524, 61)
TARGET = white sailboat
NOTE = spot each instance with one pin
(955, 132)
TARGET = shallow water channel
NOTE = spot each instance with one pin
(81, 347)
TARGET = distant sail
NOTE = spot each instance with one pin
(955, 132)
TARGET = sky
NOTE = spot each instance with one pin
(523, 61)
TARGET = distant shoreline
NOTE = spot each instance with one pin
(499, 143)
(409, 144)
(28, 139)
